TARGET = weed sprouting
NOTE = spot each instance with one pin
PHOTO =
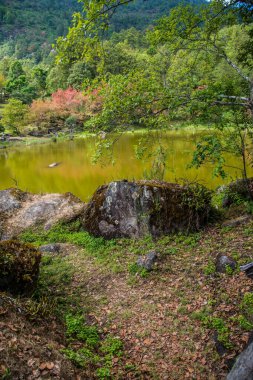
(215, 323)
(134, 269)
(92, 349)
(67, 234)
(209, 269)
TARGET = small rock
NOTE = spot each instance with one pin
(147, 262)
(236, 222)
(51, 248)
(248, 269)
(222, 262)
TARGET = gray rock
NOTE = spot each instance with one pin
(248, 269)
(137, 209)
(147, 262)
(243, 368)
(10, 200)
(51, 248)
(237, 222)
(20, 211)
(223, 261)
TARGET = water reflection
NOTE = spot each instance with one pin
(29, 165)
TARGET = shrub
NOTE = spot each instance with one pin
(19, 267)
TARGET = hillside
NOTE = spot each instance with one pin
(28, 28)
(141, 13)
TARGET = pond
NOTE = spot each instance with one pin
(27, 166)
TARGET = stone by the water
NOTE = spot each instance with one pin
(21, 210)
(137, 209)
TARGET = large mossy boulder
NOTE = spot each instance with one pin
(19, 267)
(20, 211)
(136, 209)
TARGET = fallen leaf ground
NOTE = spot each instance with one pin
(164, 318)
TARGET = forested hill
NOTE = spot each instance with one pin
(141, 13)
(28, 27)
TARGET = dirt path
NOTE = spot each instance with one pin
(171, 321)
(155, 316)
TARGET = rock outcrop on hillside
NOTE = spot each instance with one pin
(136, 209)
(20, 211)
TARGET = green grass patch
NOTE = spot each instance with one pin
(53, 294)
(214, 323)
(69, 233)
(88, 348)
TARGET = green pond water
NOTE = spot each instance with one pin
(28, 165)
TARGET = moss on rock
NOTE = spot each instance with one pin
(19, 267)
(137, 209)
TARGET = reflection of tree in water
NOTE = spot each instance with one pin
(29, 165)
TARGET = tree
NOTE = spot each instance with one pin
(18, 86)
(2, 85)
(80, 75)
(13, 115)
(224, 91)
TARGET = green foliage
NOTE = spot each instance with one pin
(210, 269)
(135, 269)
(69, 234)
(216, 323)
(247, 306)
(223, 331)
(103, 373)
(229, 270)
(249, 207)
(76, 329)
(112, 347)
(94, 350)
(7, 374)
(244, 323)
(33, 27)
(14, 113)
(196, 196)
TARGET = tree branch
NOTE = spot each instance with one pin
(232, 64)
